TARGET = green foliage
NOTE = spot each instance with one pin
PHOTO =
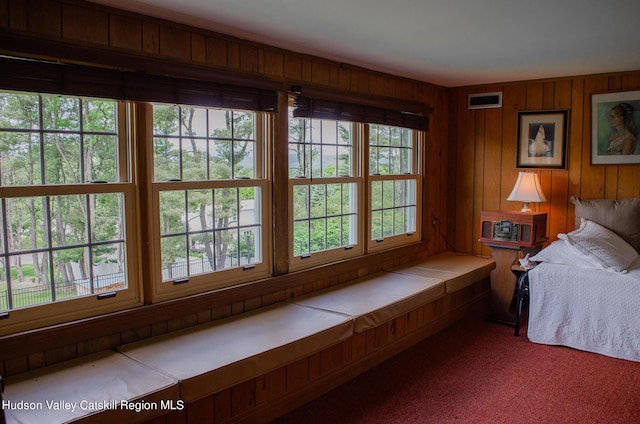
(59, 140)
(325, 222)
(194, 144)
(321, 212)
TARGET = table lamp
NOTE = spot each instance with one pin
(527, 189)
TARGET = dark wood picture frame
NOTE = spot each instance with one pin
(542, 139)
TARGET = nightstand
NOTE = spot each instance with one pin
(508, 233)
(522, 290)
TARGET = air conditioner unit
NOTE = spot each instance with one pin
(485, 100)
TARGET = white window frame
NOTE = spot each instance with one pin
(181, 286)
(59, 311)
(298, 262)
(375, 244)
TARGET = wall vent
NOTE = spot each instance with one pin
(485, 100)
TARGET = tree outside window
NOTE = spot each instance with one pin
(55, 245)
(218, 225)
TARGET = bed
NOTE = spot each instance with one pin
(584, 292)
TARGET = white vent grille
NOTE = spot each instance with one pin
(485, 100)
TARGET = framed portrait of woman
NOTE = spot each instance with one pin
(542, 139)
(615, 119)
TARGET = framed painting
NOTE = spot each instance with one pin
(614, 128)
(542, 139)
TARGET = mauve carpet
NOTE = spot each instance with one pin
(478, 372)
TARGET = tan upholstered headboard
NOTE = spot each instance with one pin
(620, 216)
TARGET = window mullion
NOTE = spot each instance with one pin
(82, 178)
(42, 139)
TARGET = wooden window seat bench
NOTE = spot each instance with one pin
(258, 365)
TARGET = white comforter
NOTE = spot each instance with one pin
(587, 309)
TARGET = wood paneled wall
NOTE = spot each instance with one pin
(484, 157)
(80, 31)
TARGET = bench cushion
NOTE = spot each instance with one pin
(375, 299)
(211, 357)
(94, 385)
(456, 270)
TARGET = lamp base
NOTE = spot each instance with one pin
(526, 208)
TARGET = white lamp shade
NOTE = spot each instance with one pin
(527, 189)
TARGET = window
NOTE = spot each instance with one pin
(65, 199)
(325, 184)
(210, 190)
(183, 168)
(330, 143)
(394, 186)
(80, 196)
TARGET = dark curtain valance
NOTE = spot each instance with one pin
(77, 80)
(307, 107)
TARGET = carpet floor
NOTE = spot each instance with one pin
(478, 372)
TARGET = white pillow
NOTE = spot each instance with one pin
(559, 252)
(600, 245)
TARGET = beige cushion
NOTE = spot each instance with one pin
(620, 216)
(375, 299)
(211, 357)
(456, 270)
(93, 385)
